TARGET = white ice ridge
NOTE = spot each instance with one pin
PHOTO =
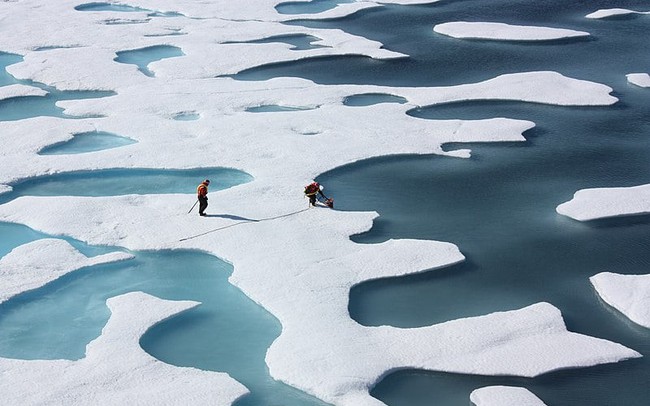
(639, 79)
(11, 91)
(504, 32)
(613, 12)
(115, 369)
(629, 294)
(34, 264)
(504, 396)
(592, 204)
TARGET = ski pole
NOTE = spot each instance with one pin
(197, 200)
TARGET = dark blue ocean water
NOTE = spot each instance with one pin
(499, 205)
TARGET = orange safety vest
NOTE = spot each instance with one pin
(202, 190)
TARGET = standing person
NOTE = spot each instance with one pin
(313, 190)
(202, 195)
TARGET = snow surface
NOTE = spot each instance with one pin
(258, 144)
(34, 264)
(11, 91)
(306, 282)
(592, 204)
(302, 281)
(504, 32)
(639, 79)
(115, 369)
(629, 294)
(613, 12)
(504, 396)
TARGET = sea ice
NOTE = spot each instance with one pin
(591, 204)
(222, 104)
(32, 265)
(115, 369)
(629, 294)
(504, 32)
(613, 12)
(302, 280)
(17, 90)
(504, 396)
(306, 286)
(639, 79)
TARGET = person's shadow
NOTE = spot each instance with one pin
(231, 217)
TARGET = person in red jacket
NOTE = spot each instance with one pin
(313, 190)
(202, 195)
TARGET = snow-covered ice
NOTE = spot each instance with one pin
(504, 32)
(306, 284)
(613, 12)
(115, 369)
(11, 91)
(629, 294)
(596, 203)
(639, 79)
(277, 263)
(32, 265)
(357, 133)
(504, 396)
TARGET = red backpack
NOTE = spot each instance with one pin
(312, 188)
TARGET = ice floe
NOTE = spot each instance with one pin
(208, 31)
(613, 12)
(639, 79)
(12, 91)
(305, 284)
(32, 265)
(504, 396)
(504, 32)
(257, 144)
(115, 369)
(629, 294)
(592, 204)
